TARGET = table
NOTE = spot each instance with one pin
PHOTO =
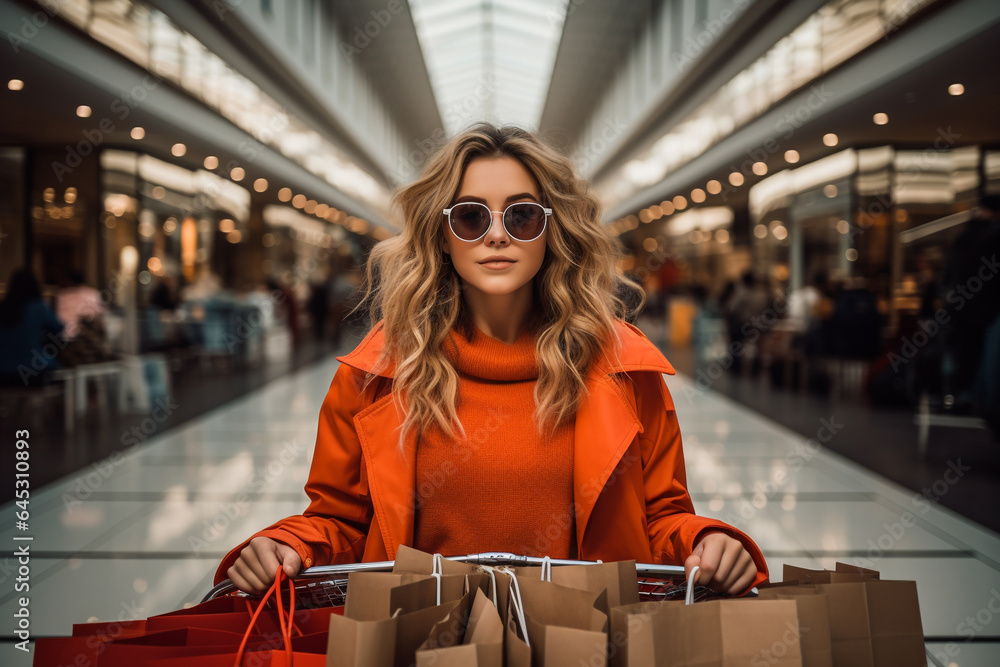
(76, 378)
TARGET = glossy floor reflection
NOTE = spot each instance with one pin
(142, 535)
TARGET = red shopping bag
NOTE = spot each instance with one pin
(86, 643)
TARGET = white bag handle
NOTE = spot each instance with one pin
(546, 569)
(689, 595)
(493, 577)
(516, 602)
(436, 573)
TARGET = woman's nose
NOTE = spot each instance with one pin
(496, 230)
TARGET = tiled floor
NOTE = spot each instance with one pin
(143, 535)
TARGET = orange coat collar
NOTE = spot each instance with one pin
(606, 423)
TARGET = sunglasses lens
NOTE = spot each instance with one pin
(470, 221)
(525, 221)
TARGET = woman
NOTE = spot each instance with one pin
(30, 333)
(543, 421)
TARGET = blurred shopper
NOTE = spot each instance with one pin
(164, 295)
(343, 297)
(205, 286)
(748, 301)
(856, 327)
(802, 304)
(76, 302)
(971, 291)
(31, 335)
(289, 307)
(319, 308)
(81, 310)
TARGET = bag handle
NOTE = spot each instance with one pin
(546, 569)
(286, 629)
(436, 571)
(689, 594)
(493, 578)
(516, 602)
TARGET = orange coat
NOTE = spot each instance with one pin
(630, 493)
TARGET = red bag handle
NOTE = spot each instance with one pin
(286, 628)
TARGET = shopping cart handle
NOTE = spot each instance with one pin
(488, 558)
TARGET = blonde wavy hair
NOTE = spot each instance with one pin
(577, 291)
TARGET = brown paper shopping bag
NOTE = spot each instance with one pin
(618, 578)
(717, 633)
(373, 596)
(814, 626)
(551, 625)
(413, 561)
(470, 636)
(873, 622)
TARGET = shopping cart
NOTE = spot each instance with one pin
(326, 585)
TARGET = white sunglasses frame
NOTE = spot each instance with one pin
(545, 223)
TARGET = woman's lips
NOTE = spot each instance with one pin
(496, 264)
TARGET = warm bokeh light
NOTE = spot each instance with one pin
(260, 185)
(722, 235)
(83, 111)
(714, 187)
(211, 162)
(830, 139)
(234, 236)
(667, 206)
(285, 194)
(178, 150)
(760, 231)
(15, 84)
(956, 89)
(791, 156)
(697, 195)
(760, 168)
(851, 255)
(780, 232)
(880, 118)
(137, 133)
(298, 201)
(843, 226)
(680, 203)
(226, 225)
(736, 179)
(830, 190)
(237, 173)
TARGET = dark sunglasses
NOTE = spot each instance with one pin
(524, 221)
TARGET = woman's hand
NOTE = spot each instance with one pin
(725, 565)
(253, 572)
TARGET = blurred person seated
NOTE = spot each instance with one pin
(31, 336)
(80, 308)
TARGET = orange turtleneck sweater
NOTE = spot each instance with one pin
(507, 487)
